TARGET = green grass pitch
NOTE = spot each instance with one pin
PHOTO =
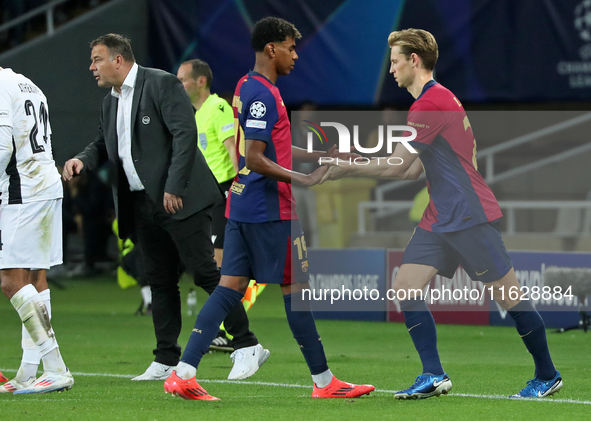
(105, 345)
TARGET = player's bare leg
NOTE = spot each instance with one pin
(409, 284)
(218, 255)
(411, 277)
(13, 280)
(501, 288)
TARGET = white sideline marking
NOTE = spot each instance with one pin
(301, 386)
(467, 395)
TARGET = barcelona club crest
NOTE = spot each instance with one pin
(305, 266)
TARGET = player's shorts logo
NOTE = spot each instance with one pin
(258, 109)
(146, 119)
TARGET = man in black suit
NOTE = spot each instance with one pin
(163, 190)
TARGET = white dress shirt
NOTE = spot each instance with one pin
(124, 128)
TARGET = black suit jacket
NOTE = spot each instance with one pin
(164, 148)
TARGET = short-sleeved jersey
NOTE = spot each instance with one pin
(459, 197)
(260, 115)
(28, 172)
(215, 123)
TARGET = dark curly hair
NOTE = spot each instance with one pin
(272, 29)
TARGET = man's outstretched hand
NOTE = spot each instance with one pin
(334, 172)
(72, 167)
(315, 177)
(333, 152)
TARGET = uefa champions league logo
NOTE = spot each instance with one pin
(258, 109)
(578, 72)
(583, 20)
(583, 26)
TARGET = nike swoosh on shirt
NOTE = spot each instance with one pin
(482, 273)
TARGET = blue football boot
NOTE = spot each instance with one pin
(426, 385)
(537, 388)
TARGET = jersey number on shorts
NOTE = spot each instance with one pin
(300, 243)
(30, 109)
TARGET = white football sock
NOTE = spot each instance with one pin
(147, 295)
(26, 371)
(35, 318)
(31, 353)
(31, 356)
(46, 297)
(185, 371)
(53, 361)
(323, 379)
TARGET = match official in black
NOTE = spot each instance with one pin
(162, 187)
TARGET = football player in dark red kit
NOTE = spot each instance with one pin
(263, 234)
(460, 224)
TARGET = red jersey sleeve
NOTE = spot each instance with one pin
(428, 120)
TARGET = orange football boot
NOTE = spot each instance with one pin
(340, 389)
(186, 389)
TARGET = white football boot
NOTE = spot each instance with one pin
(247, 361)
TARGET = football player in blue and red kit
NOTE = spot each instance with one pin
(460, 224)
(264, 240)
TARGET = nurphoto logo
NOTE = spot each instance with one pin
(388, 134)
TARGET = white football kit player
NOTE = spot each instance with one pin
(30, 187)
(30, 229)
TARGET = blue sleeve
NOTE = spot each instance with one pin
(260, 116)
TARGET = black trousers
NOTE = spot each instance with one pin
(166, 245)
